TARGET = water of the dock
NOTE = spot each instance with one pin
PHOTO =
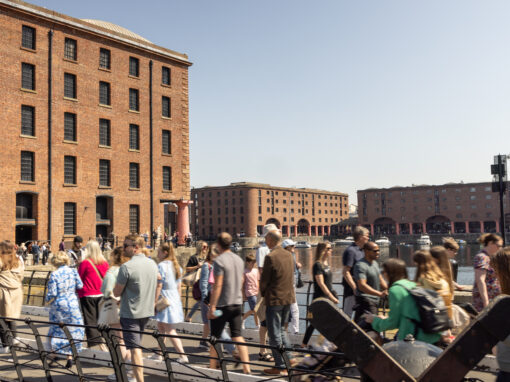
(32, 369)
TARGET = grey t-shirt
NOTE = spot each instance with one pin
(370, 272)
(139, 277)
(231, 266)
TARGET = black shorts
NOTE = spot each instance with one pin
(133, 340)
(231, 314)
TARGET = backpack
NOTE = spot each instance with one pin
(433, 312)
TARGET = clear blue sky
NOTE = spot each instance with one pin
(337, 95)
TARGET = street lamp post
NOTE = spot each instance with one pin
(498, 171)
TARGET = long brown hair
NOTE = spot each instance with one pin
(426, 267)
(321, 251)
(395, 270)
(501, 264)
(8, 258)
(170, 255)
(441, 256)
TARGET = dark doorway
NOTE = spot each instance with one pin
(102, 230)
(23, 233)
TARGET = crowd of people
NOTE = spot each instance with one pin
(130, 288)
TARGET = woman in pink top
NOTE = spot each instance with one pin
(92, 271)
(251, 287)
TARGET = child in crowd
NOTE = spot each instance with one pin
(251, 287)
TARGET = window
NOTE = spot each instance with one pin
(167, 178)
(165, 75)
(166, 142)
(134, 67)
(165, 107)
(69, 85)
(104, 58)
(104, 172)
(134, 100)
(69, 170)
(69, 218)
(134, 218)
(134, 137)
(28, 37)
(134, 175)
(104, 132)
(104, 93)
(28, 120)
(70, 127)
(27, 166)
(27, 76)
(70, 49)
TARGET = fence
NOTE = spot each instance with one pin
(32, 357)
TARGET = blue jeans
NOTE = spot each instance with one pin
(193, 309)
(276, 317)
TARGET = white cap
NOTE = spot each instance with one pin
(288, 243)
(268, 228)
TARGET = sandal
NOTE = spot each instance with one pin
(266, 357)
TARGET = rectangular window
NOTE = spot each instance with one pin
(134, 218)
(134, 67)
(69, 218)
(70, 127)
(104, 93)
(134, 175)
(104, 132)
(167, 178)
(69, 170)
(134, 137)
(165, 107)
(165, 76)
(69, 85)
(70, 49)
(104, 172)
(28, 37)
(27, 76)
(134, 102)
(167, 142)
(27, 166)
(28, 120)
(104, 58)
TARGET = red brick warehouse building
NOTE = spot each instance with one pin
(455, 208)
(244, 208)
(95, 122)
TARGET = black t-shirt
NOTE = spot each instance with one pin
(350, 257)
(325, 271)
(193, 261)
(455, 269)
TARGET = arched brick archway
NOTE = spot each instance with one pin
(438, 224)
(274, 221)
(384, 226)
(303, 227)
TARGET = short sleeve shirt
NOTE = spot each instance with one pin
(193, 261)
(325, 271)
(139, 277)
(262, 251)
(350, 257)
(363, 270)
(482, 261)
(231, 267)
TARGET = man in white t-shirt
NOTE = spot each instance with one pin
(263, 250)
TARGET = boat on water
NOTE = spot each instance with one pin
(347, 241)
(303, 244)
(383, 241)
(424, 240)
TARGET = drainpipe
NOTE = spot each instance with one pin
(151, 154)
(50, 48)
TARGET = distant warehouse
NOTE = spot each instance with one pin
(243, 209)
(95, 127)
(435, 209)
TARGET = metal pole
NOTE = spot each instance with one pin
(501, 193)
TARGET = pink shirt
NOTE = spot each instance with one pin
(251, 282)
(91, 281)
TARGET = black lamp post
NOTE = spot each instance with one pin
(498, 171)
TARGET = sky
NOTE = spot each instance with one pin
(332, 94)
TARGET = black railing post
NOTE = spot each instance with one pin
(43, 354)
(219, 354)
(168, 361)
(8, 336)
(115, 352)
(45, 286)
(283, 352)
(30, 287)
(73, 351)
(186, 309)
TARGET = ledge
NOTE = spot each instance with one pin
(134, 150)
(70, 142)
(168, 118)
(105, 106)
(28, 136)
(134, 189)
(166, 155)
(26, 182)
(105, 187)
(134, 111)
(133, 77)
(105, 70)
(166, 86)
(69, 185)
(71, 99)
(28, 49)
(28, 90)
(105, 147)
(70, 60)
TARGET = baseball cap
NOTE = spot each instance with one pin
(288, 243)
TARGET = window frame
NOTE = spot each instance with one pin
(105, 59)
(134, 66)
(69, 160)
(105, 132)
(134, 127)
(105, 91)
(166, 141)
(68, 77)
(166, 107)
(133, 92)
(74, 127)
(167, 183)
(31, 126)
(27, 69)
(70, 49)
(134, 218)
(164, 81)
(134, 175)
(27, 175)
(69, 208)
(31, 39)
(108, 169)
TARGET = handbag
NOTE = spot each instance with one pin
(162, 303)
(460, 319)
(299, 281)
(197, 295)
(108, 311)
(191, 278)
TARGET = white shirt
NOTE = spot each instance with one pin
(262, 251)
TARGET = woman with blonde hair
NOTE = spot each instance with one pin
(169, 287)
(440, 256)
(500, 262)
(11, 290)
(64, 307)
(195, 262)
(92, 271)
(486, 286)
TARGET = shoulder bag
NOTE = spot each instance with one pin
(108, 307)
(162, 303)
(192, 277)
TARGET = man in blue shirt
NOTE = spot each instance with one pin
(36, 252)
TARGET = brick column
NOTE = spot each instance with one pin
(467, 227)
(481, 226)
(183, 220)
(423, 228)
(309, 230)
(397, 229)
(295, 230)
(371, 230)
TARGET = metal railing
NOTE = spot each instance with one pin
(30, 357)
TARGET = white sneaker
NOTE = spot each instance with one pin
(5, 350)
(242, 325)
(155, 357)
(183, 359)
(129, 373)
(16, 341)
